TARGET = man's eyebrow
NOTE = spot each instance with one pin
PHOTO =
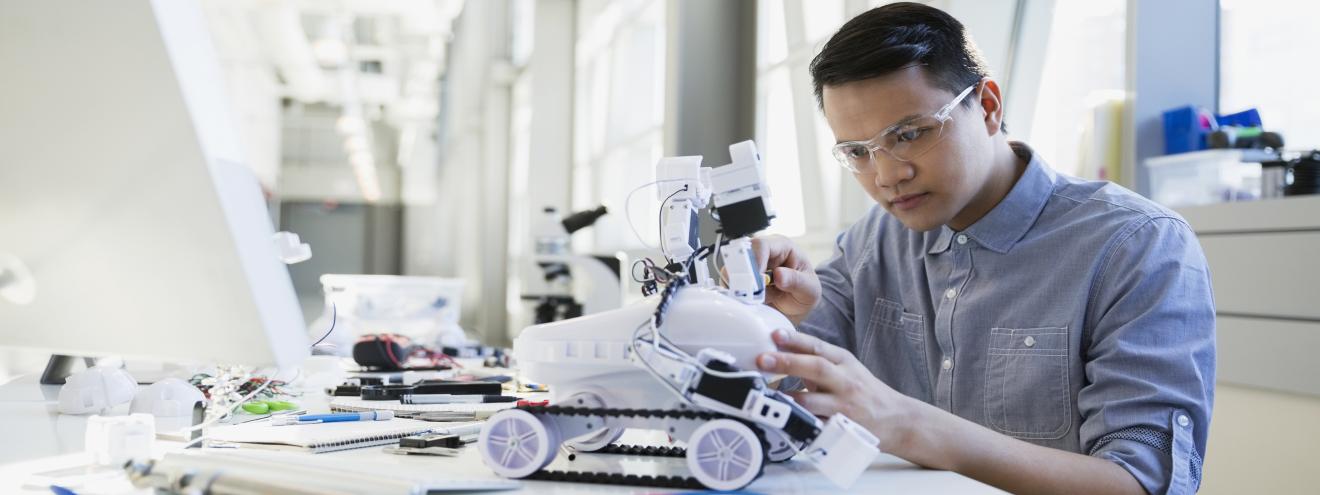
(907, 119)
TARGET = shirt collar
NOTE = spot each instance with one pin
(1009, 220)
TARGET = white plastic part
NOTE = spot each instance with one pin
(96, 390)
(707, 355)
(168, 398)
(745, 281)
(515, 444)
(741, 180)
(843, 450)
(680, 178)
(679, 217)
(592, 352)
(724, 455)
(291, 249)
(745, 154)
(113, 440)
(683, 189)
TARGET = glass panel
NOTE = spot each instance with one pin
(1267, 61)
(1082, 75)
(821, 19)
(780, 149)
(771, 41)
(619, 116)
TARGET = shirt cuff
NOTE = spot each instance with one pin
(1161, 461)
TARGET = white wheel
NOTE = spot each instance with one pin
(598, 440)
(515, 443)
(725, 455)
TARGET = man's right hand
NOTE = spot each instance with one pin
(795, 288)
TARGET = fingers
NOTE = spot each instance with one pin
(773, 251)
(823, 405)
(823, 373)
(759, 246)
(802, 343)
(803, 285)
(785, 279)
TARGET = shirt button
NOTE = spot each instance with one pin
(948, 294)
(948, 364)
(1031, 341)
(962, 238)
(1183, 421)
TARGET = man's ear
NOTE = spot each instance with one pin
(992, 104)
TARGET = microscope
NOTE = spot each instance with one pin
(574, 284)
(677, 361)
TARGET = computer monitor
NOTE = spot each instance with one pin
(128, 224)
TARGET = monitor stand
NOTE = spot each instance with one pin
(60, 366)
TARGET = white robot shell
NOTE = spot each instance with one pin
(590, 353)
(96, 390)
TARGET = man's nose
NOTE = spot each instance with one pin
(889, 173)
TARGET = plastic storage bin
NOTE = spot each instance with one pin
(1203, 177)
(426, 309)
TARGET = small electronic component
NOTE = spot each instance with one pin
(426, 440)
(396, 392)
(440, 451)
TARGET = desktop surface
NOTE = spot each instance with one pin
(40, 440)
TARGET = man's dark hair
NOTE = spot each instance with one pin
(895, 36)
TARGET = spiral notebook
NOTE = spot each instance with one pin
(354, 404)
(320, 437)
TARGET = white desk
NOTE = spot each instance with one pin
(34, 439)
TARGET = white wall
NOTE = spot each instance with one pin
(1262, 442)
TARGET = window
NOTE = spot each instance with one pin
(791, 132)
(1267, 54)
(619, 117)
(1076, 122)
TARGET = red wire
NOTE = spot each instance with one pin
(435, 357)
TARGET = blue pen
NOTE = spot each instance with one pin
(308, 419)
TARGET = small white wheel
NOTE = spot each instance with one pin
(515, 443)
(725, 455)
(598, 440)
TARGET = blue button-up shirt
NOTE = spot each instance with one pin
(1075, 315)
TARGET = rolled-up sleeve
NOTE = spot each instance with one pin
(831, 319)
(1150, 362)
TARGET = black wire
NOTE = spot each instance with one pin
(660, 218)
(633, 271)
(677, 281)
(334, 317)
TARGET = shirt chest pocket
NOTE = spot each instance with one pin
(1026, 382)
(893, 347)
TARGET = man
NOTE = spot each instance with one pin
(1034, 331)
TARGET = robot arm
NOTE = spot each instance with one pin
(742, 202)
(838, 447)
(684, 191)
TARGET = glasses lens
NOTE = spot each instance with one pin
(914, 138)
(852, 156)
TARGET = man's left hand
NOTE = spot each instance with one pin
(836, 382)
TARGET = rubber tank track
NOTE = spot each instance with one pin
(687, 482)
